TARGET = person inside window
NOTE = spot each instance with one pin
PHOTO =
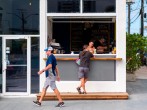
(100, 46)
(91, 47)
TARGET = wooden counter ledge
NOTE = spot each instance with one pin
(73, 59)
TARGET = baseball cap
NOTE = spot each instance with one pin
(48, 48)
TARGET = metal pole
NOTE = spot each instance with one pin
(129, 18)
(142, 18)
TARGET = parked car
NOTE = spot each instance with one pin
(145, 58)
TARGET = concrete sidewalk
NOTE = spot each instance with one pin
(137, 100)
(142, 73)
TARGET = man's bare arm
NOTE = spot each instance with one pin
(57, 73)
(45, 69)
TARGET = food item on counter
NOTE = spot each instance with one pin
(114, 50)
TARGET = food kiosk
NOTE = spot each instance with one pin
(73, 24)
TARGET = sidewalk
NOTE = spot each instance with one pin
(137, 100)
(142, 73)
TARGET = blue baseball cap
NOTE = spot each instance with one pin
(48, 48)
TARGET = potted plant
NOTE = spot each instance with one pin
(135, 46)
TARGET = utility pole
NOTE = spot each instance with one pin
(129, 2)
(142, 18)
(129, 5)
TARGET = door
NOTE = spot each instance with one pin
(16, 66)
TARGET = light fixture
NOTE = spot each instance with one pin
(88, 24)
(30, 3)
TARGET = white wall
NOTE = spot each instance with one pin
(43, 38)
(121, 45)
(92, 86)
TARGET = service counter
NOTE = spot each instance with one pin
(102, 67)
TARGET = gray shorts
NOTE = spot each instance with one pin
(83, 72)
(50, 81)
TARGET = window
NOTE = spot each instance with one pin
(34, 64)
(19, 17)
(63, 6)
(89, 6)
(101, 6)
(78, 32)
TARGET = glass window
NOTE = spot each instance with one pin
(1, 65)
(108, 6)
(78, 32)
(16, 72)
(19, 17)
(34, 65)
(63, 6)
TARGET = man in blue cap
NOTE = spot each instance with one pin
(52, 73)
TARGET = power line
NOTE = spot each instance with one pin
(135, 15)
(136, 6)
(138, 9)
(135, 19)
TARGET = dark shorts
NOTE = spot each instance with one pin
(50, 81)
(83, 72)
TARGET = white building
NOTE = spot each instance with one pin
(26, 29)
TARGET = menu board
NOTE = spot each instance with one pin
(76, 37)
(101, 30)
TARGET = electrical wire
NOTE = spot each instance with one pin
(136, 6)
(135, 15)
(135, 19)
(139, 13)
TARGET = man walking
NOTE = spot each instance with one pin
(52, 73)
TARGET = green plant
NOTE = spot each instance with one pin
(134, 43)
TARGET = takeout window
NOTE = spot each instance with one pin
(72, 34)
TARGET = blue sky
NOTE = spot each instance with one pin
(135, 20)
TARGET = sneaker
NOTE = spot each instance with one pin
(83, 92)
(37, 103)
(60, 104)
(79, 90)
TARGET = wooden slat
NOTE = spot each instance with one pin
(89, 96)
(73, 59)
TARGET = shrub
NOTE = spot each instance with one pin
(135, 44)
